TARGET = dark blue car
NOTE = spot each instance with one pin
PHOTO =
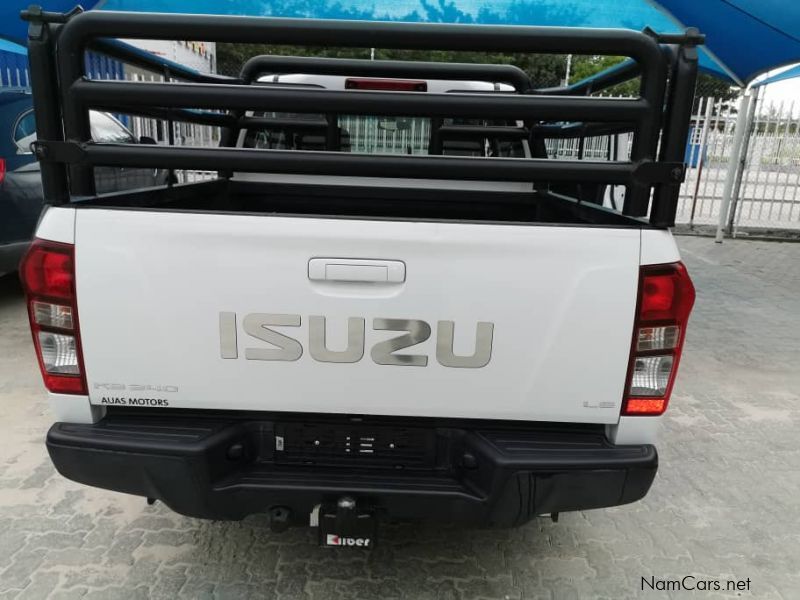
(21, 199)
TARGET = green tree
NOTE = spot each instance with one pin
(586, 66)
(707, 85)
(545, 70)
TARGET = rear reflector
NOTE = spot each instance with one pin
(52, 315)
(658, 338)
(666, 297)
(48, 277)
(386, 85)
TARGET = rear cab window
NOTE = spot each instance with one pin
(375, 135)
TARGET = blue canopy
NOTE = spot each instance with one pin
(12, 48)
(748, 36)
(744, 37)
(790, 73)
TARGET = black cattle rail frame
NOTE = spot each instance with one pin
(658, 118)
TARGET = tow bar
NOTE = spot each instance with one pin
(347, 523)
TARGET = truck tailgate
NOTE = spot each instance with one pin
(556, 302)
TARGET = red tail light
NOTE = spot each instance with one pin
(2, 169)
(386, 85)
(48, 276)
(666, 297)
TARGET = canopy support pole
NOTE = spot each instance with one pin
(742, 163)
(733, 163)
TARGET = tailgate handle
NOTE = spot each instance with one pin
(357, 270)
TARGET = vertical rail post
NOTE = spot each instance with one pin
(683, 80)
(171, 130)
(44, 82)
(77, 127)
(435, 143)
(333, 142)
(733, 163)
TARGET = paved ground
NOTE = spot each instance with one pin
(726, 503)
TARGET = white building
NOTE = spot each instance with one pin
(201, 56)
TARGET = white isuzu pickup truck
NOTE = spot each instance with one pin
(394, 301)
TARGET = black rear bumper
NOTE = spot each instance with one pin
(228, 468)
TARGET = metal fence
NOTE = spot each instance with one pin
(768, 193)
(14, 76)
(765, 193)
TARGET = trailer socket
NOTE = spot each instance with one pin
(279, 519)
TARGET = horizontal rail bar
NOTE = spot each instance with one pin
(359, 34)
(362, 165)
(211, 119)
(276, 123)
(471, 132)
(282, 65)
(575, 130)
(101, 94)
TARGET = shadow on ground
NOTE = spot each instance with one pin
(10, 289)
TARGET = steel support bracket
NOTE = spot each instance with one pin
(58, 152)
(690, 37)
(35, 14)
(652, 172)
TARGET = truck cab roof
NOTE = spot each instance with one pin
(338, 82)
